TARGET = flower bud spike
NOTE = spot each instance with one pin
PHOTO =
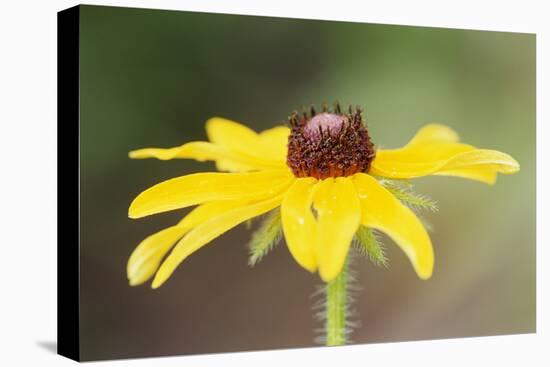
(312, 109)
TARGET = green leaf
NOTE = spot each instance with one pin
(370, 246)
(408, 197)
(265, 238)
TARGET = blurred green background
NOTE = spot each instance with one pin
(152, 78)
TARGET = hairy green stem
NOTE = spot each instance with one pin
(336, 309)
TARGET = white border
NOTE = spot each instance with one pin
(28, 180)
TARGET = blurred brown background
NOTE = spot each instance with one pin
(152, 78)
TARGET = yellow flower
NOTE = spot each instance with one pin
(320, 172)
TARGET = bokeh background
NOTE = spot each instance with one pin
(152, 78)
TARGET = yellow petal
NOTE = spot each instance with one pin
(267, 148)
(434, 133)
(434, 151)
(477, 164)
(492, 159)
(278, 135)
(299, 223)
(338, 215)
(207, 231)
(237, 165)
(198, 150)
(234, 147)
(203, 151)
(270, 153)
(482, 174)
(229, 133)
(275, 142)
(146, 257)
(382, 211)
(226, 160)
(198, 188)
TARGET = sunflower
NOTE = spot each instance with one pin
(322, 172)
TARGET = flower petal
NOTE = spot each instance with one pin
(237, 165)
(268, 146)
(298, 222)
(434, 151)
(146, 257)
(199, 150)
(275, 141)
(208, 230)
(338, 215)
(382, 211)
(233, 146)
(434, 133)
(229, 134)
(482, 174)
(198, 188)
(202, 151)
(226, 160)
(273, 144)
(456, 160)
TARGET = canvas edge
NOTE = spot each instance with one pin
(68, 185)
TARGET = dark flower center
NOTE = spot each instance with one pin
(329, 144)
